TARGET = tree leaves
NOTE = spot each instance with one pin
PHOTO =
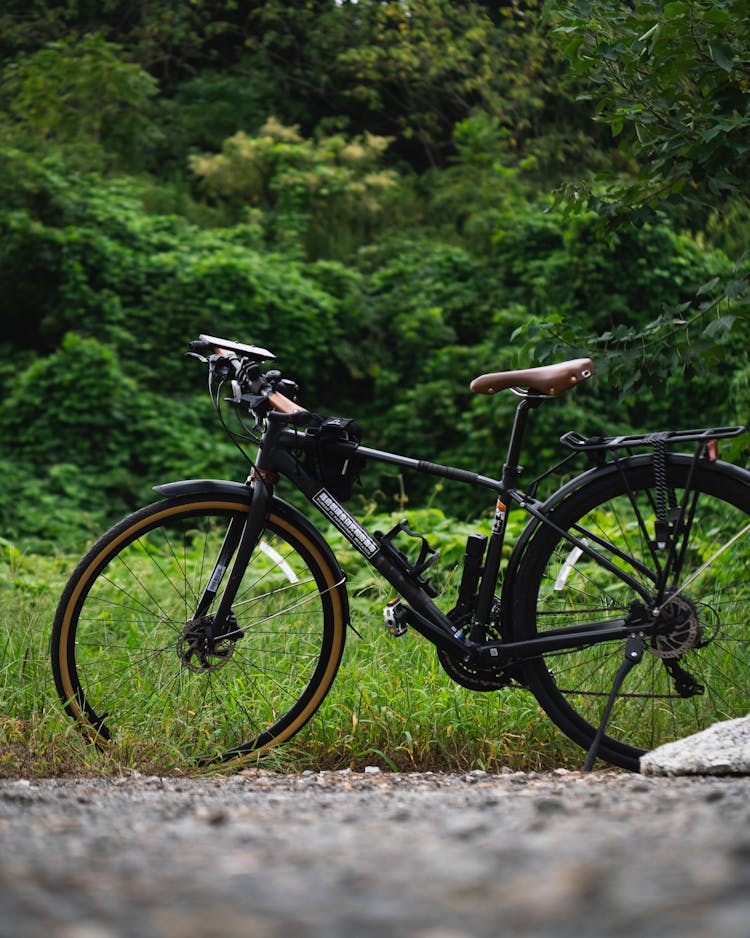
(84, 96)
(722, 53)
(676, 78)
(324, 195)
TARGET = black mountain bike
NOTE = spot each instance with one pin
(215, 618)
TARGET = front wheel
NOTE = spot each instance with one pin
(137, 668)
(696, 670)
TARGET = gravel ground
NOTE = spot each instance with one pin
(374, 854)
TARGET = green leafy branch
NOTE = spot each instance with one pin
(690, 338)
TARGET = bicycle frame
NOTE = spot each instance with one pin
(278, 456)
(220, 574)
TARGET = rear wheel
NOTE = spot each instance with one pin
(136, 667)
(696, 671)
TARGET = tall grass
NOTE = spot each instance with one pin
(35, 736)
(394, 706)
(391, 705)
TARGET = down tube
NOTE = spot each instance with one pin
(435, 625)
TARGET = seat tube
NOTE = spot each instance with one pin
(490, 574)
(491, 571)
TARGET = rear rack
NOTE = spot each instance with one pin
(573, 440)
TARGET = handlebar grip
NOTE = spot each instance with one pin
(283, 405)
(278, 401)
(229, 357)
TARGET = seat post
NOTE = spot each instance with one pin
(512, 469)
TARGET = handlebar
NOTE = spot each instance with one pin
(284, 405)
(251, 387)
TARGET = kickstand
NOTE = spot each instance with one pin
(633, 654)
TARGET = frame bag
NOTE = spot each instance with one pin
(332, 458)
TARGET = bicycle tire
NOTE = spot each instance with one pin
(706, 627)
(123, 649)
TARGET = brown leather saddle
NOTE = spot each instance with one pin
(549, 379)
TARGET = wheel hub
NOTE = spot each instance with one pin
(200, 651)
(679, 628)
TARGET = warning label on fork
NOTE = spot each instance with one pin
(346, 523)
(213, 583)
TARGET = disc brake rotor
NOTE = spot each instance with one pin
(680, 629)
(199, 651)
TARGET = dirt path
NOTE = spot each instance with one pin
(375, 855)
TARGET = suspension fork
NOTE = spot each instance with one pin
(228, 547)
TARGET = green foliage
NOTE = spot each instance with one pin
(480, 194)
(210, 107)
(322, 194)
(170, 39)
(672, 82)
(81, 95)
(383, 289)
(83, 395)
(146, 284)
(398, 339)
(412, 71)
(366, 189)
(81, 443)
(673, 79)
(407, 73)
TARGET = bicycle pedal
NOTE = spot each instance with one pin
(394, 616)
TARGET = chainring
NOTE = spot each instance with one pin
(468, 673)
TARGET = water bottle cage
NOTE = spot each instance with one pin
(427, 555)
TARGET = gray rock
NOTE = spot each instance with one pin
(722, 749)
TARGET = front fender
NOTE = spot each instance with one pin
(206, 487)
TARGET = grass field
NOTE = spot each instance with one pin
(391, 705)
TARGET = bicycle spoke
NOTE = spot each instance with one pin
(158, 671)
(703, 618)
